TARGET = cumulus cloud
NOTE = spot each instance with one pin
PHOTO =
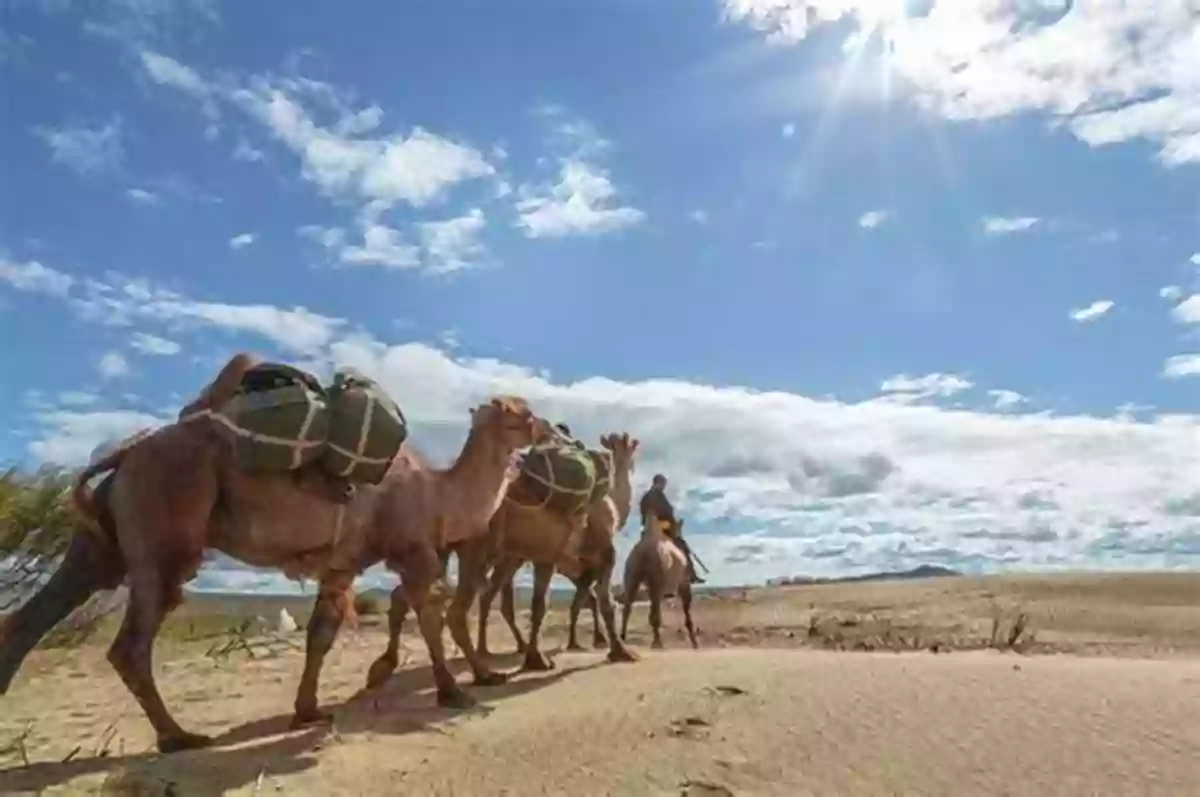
(903, 388)
(872, 219)
(1172, 293)
(243, 240)
(86, 150)
(141, 196)
(70, 437)
(154, 345)
(453, 244)
(1007, 399)
(1182, 365)
(1188, 310)
(1110, 71)
(1006, 225)
(112, 366)
(33, 277)
(1092, 312)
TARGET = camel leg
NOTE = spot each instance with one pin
(656, 601)
(383, 667)
(432, 620)
(535, 660)
(508, 608)
(90, 565)
(617, 651)
(632, 588)
(502, 576)
(327, 615)
(472, 563)
(685, 598)
(583, 591)
(599, 639)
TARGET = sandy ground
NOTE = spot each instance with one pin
(728, 719)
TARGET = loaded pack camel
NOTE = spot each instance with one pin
(585, 555)
(177, 491)
(516, 534)
(657, 562)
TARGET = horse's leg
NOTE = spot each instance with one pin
(535, 660)
(327, 615)
(90, 565)
(383, 667)
(583, 587)
(472, 563)
(685, 598)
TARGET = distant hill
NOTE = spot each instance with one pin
(921, 571)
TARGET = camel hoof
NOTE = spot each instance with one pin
(380, 672)
(491, 678)
(183, 741)
(619, 654)
(574, 647)
(309, 717)
(656, 645)
(536, 661)
(454, 698)
(599, 642)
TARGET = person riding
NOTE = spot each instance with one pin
(655, 502)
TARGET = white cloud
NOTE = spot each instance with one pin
(1092, 311)
(1188, 311)
(246, 153)
(154, 345)
(788, 130)
(1007, 399)
(71, 437)
(243, 240)
(905, 389)
(33, 277)
(168, 72)
(873, 218)
(1111, 71)
(77, 398)
(698, 216)
(112, 366)
(1172, 293)
(84, 149)
(453, 244)
(381, 246)
(1195, 259)
(580, 203)
(1002, 225)
(1182, 365)
(142, 196)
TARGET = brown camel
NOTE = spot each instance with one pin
(659, 564)
(176, 492)
(595, 566)
(585, 555)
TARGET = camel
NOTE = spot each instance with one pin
(659, 564)
(516, 533)
(177, 491)
(586, 556)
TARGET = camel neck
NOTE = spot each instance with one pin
(622, 495)
(482, 465)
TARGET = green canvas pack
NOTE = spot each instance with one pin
(557, 476)
(603, 462)
(278, 419)
(365, 432)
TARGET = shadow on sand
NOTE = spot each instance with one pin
(267, 747)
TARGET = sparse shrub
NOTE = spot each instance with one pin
(367, 604)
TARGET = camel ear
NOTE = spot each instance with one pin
(633, 446)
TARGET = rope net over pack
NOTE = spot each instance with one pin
(562, 476)
(282, 419)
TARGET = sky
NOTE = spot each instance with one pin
(875, 283)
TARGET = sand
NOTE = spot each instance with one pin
(759, 710)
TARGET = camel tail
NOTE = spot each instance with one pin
(91, 564)
(83, 497)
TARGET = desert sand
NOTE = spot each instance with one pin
(780, 700)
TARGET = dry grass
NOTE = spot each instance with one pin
(782, 722)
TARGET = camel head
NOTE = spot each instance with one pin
(509, 421)
(623, 448)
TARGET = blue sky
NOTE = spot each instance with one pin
(876, 283)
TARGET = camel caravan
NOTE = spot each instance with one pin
(276, 470)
